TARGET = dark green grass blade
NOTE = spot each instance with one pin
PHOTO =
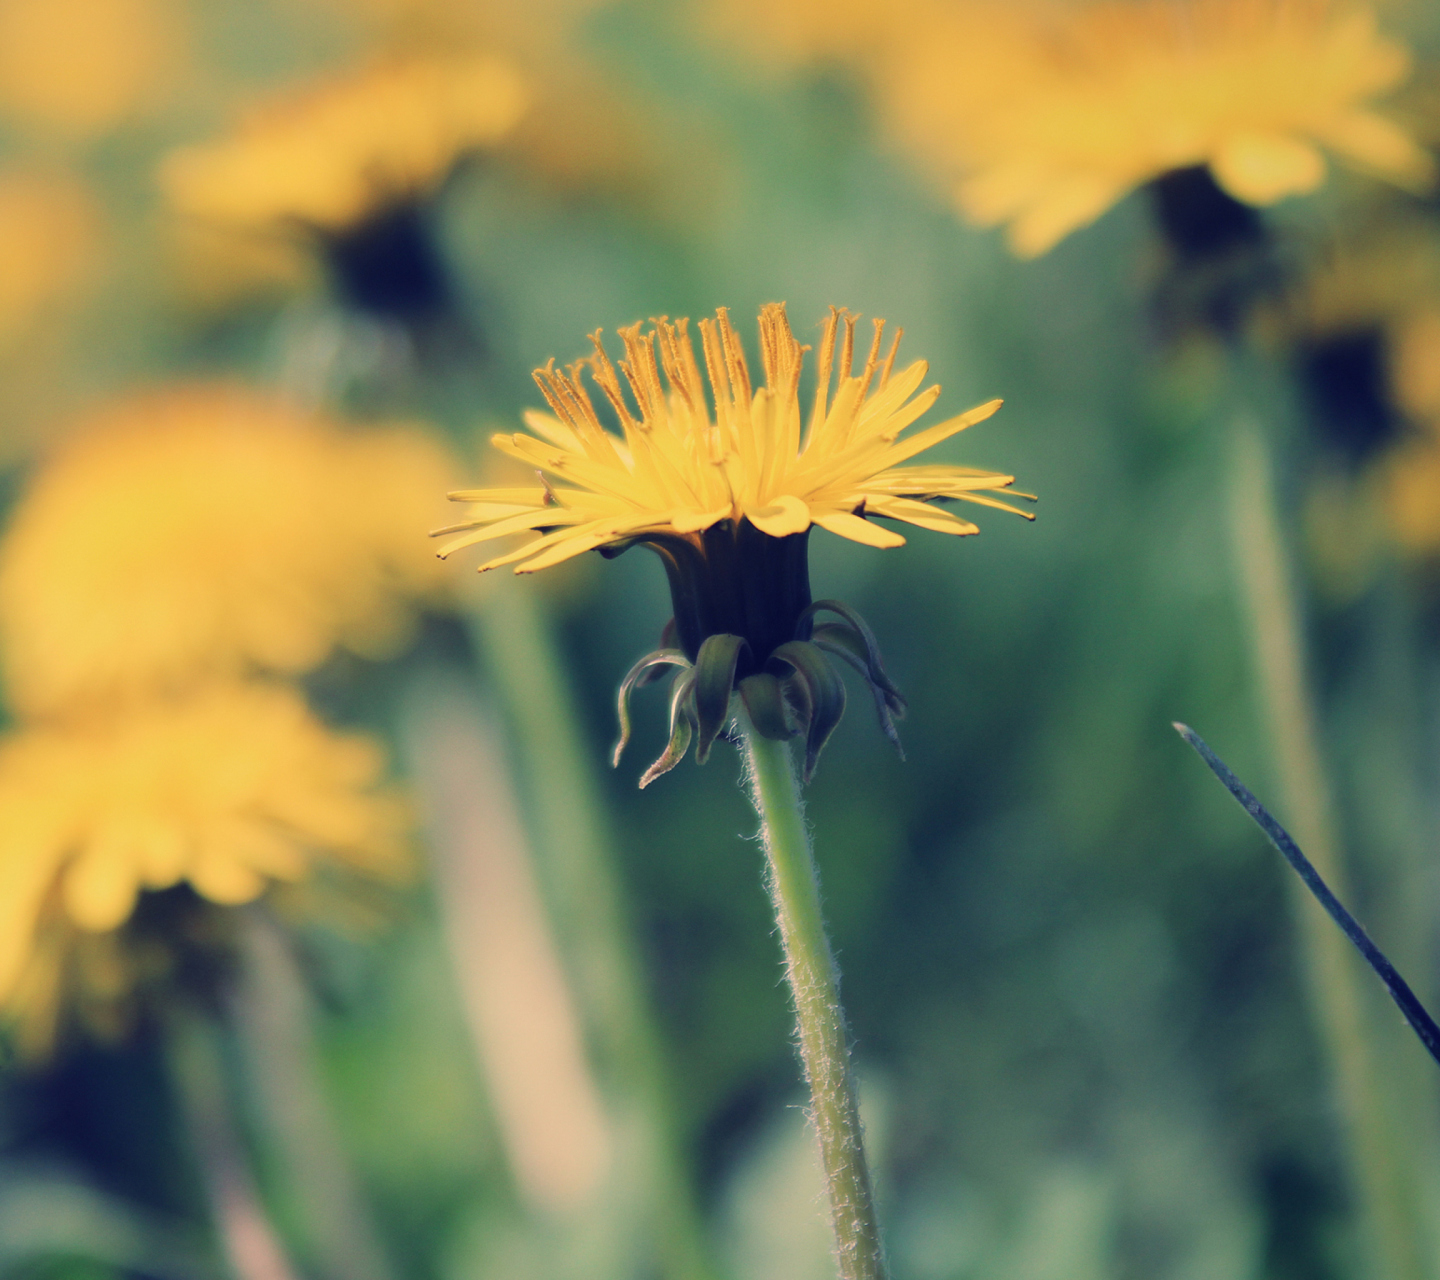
(1420, 1021)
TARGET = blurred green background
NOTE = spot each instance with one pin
(1071, 967)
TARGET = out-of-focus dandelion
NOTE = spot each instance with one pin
(1044, 116)
(727, 502)
(78, 68)
(228, 792)
(208, 531)
(1113, 95)
(1411, 471)
(353, 162)
(49, 245)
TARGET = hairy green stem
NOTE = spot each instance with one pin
(576, 864)
(815, 988)
(1386, 1190)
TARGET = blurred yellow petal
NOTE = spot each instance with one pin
(1373, 142)
(101, 884)
(1261, 168)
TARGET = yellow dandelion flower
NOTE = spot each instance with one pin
(727, 499)
(206, 530)
(1415, 364)
(1102, 98)
(49, 233)
(1041, 116)
(230, 791)
(80, 67)
(331, 156)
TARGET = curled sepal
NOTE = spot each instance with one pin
(845, 642)
(764, 701)
(667, 641)
(682, 728)
(822, 695)
(640, 674)
(714, 683)
(864, 646)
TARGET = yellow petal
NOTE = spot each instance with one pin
(858, 530)
(1066, 206)
(1377, 144)
(695, 521)
(787, 514)
(917, 513)
(1261, 168)
(100, 886)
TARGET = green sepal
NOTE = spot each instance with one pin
(822, 688)
(868, 649)
(682, 728)
(764, 700)
(845, 642)
(667, 641)
(714, 683)
(640, 674)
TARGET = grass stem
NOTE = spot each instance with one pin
(1385, 1189)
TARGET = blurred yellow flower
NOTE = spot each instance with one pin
(675, 473)
(333, 155)
(1412, 489)
(1113, 94)
(208, 530)
(80, 67)
(49, 232)
(1042, 116)
(229, 791)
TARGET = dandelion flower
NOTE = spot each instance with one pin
(49, 233)
(1041, 116)
(230, 791)
(1107, 96)
(727, 498)
(81, 67)
(332, 156)
(206, 530)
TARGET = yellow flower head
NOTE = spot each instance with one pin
(727, 497)
(332, 156)
(80, 67)
(49, 234)
(677, 470)
(207, 531)
(1042, 115)
(230, 791)
(1098, 99)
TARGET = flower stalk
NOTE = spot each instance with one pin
(1381, 1167)
(248, 1242)
(575, 864)
(820, 1021)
